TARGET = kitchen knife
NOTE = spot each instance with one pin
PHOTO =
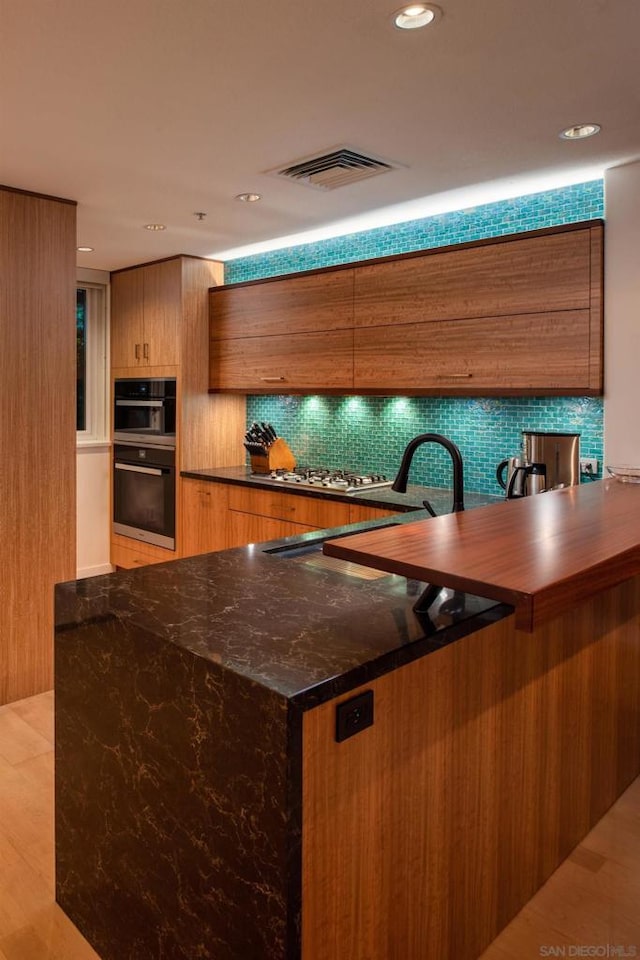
(268, 433)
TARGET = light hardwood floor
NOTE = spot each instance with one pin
(590, 903)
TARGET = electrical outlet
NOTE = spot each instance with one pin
(354, 715)
(589, 466)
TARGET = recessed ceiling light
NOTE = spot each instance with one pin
(248, 197)
(84, 249)
(579, 131)
(415, 15)
(154, 226)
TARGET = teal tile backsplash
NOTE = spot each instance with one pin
(370, 433)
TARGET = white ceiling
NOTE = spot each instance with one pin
(149, 110)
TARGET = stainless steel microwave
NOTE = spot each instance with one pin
(145, 411)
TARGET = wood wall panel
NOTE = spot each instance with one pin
(37, 431)
(211, 427)
(487, 762)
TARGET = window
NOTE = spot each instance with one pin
(91, 380)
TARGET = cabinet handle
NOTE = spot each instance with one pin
(453, 376)
(272, 379)
(145, 351)
(137, 351)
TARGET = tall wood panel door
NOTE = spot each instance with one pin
(37, 431)
(127, 322)
(162, 308)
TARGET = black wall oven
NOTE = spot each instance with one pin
(145, 411)
(144, 493)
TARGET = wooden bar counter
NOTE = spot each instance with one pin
(541, 554)
(500, 753)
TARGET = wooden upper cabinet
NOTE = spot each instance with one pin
(145, 313)
(512, 315)
(528, 275)
(302, 362)
(546, 352)
(127, 329)
(162, 311)
(279, 307)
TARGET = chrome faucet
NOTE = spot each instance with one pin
(400, 483)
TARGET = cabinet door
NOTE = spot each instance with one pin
(130, 559)
(358, 512)
(540, 352)
(528, 275)
(244, 528)
(313, 512)
(128, 553)
(162, 307)
(127, 336)
(298, 304)
(302, 362)
(204, 517)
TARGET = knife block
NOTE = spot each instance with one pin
(277, 457)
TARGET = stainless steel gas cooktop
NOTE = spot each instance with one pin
(336, 481)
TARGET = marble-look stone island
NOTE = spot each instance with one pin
(208, 805)
(180, 695)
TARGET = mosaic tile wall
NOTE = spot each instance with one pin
(370, 433)
(582, 201)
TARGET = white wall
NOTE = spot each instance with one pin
(622, 315)
(93, 510)
(93, 481)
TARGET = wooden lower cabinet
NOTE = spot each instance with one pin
(218, 516)
(127, 553)
(358, 513)
(204, 517)
(244, 528)
(487, 762)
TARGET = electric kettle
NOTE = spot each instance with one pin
(557, 453)
(523, 479)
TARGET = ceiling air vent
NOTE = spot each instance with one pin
(327, 171)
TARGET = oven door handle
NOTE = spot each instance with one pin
(134, 469)
(139, 403)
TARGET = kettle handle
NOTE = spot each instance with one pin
(500, 471)
(512, 482)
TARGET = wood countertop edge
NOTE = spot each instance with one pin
(541, 602)
(521, 601)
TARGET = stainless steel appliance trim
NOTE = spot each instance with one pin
(133, 469)
(144, 536)
(139, 403)
(163, 441)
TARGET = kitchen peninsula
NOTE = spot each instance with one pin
(215, 799)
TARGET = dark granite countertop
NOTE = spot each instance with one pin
(384, 497)
(292, 621)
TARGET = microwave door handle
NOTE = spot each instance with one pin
(139, 403)
(133, 469)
